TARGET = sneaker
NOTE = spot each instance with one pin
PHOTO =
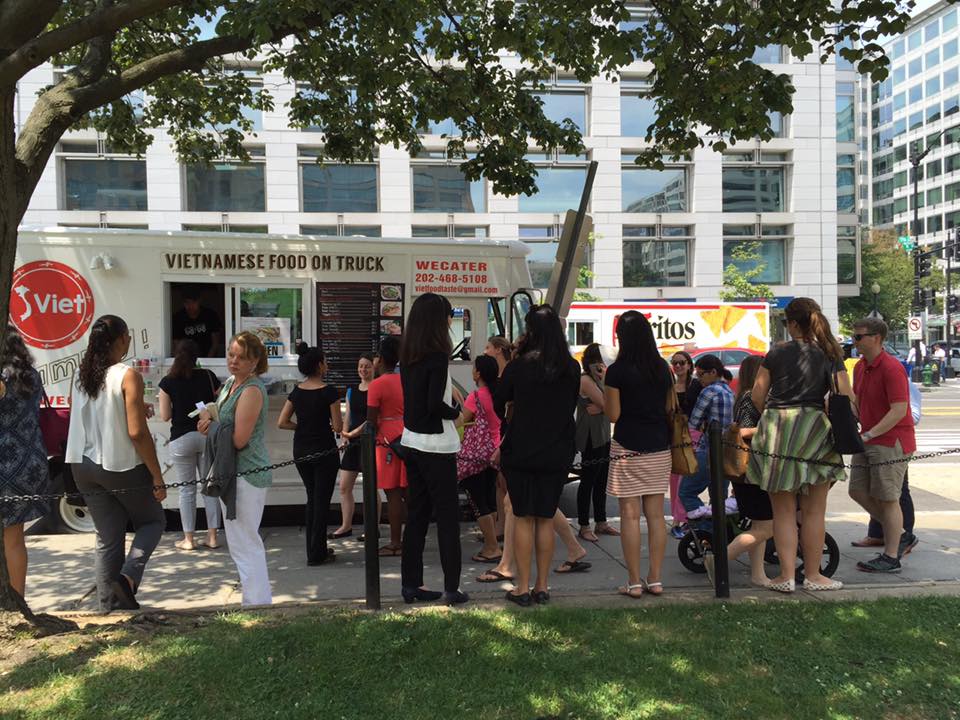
(730, 505)
(701, 512)
(678, 531)
(908, 541)
(882, 563)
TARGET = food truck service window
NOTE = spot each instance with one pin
(274, 314)
(197, 314)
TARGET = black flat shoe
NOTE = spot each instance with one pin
(541, 597)
(412, 595)
(457, 597)
(337, 536)
(123, 596)
(522, 600)
(329, 558)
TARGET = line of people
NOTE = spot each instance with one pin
(531, 412)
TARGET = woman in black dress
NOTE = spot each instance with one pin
(350, 460)
(542, 384)
(316, 406)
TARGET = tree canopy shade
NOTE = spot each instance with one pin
(371, 72)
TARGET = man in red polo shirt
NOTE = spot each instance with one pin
(886, 425)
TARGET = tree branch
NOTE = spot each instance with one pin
(103, 21)
(22, 19)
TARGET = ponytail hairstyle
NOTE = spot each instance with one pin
(106, 330)
(489, 371)
(814, 325)
(16, 364)
(185, 360)
(310, 360)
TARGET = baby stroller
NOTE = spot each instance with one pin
(699, 539)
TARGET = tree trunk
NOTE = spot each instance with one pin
(14, 612)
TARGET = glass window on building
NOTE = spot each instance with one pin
(934, 223)
(338, 188)
(341, 230)
(842, 62)
(915, 94)
(951, 105)
(226, 187)
(769, 54)
(899, 101)
(883, 214)
(647, 191)
(898, 49)
(934, 168)
(933, 112)
(443, 188)
(932, 85)
(935, 196)
(914, 40)
(559, 185)
(899, 127)
(949, 20)
(951, 77)
(899, 75)
(950, 49)
(559, 106)
(915, 67)
(916, 120)
(846, 184)
(637, 113)
(102, 183)
(753, 188)
(932, 58)
(931, 30)
(771, 244)
(847, 255)
(653, 258)
(846, 120)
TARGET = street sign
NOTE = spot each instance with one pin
(915, 328)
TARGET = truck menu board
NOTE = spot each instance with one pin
(351, 319)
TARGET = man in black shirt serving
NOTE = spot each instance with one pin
(200, 324)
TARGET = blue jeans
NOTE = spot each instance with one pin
(692, 485)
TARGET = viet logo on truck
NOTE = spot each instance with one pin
(51, 304)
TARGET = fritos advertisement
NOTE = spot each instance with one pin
(680, 326)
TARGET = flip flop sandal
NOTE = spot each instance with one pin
(571, 567)
(182, 545)
(481, 558)
(655, 592)
(629, 591)
(497, 577)
(205, 544)
(607, 530)
(390, 551)
(588, 535)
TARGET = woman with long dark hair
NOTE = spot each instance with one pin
(637, 397)
(482, 487)
(430, 443)
(542, 384)
(110, 447)
(23, 457)
(790, 389)
(354, 423)
(184, 386)
(316, 406)
(593, 442)
(687, 388)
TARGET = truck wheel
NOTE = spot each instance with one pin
(73, 518)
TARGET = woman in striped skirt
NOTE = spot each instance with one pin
(790, 389)
(635, 397)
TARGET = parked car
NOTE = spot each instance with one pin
(731, 359)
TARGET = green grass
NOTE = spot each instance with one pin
(883, 660)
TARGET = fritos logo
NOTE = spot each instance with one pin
(51, 304)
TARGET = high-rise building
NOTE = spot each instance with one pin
(659, 234)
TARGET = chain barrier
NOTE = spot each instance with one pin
(49, 497)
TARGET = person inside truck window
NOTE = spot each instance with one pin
(194, 321)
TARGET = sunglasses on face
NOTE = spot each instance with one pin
(860, 336)
(678, 363)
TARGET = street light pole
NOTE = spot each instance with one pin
(875, 289)
(915, 161)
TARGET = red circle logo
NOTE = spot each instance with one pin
(51, 304)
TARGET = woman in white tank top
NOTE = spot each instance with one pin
(110, 448)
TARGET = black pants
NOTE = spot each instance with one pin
(431, 489)
(875, 530)
(482, 491)
(319, 479)
(593, 484)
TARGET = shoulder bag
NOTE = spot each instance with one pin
(846, 436)
(54, 426)
(683, 459)
(736, 453)
(477, 447)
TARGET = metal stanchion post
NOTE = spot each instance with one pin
(371, 523)
(717, 500)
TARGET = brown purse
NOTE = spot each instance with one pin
(736, 453)
(683, 460)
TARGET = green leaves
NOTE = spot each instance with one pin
(741, 275)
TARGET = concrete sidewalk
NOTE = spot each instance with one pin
(61, 570)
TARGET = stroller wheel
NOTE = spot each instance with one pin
(691, 556)
(828, 564)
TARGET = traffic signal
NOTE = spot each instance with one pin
(917, 298)
(922, 265)
(929, 297)
(953, 304)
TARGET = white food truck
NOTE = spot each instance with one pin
(341, 294)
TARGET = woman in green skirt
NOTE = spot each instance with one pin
(790, 389)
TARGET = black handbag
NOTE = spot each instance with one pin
(846, 434)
